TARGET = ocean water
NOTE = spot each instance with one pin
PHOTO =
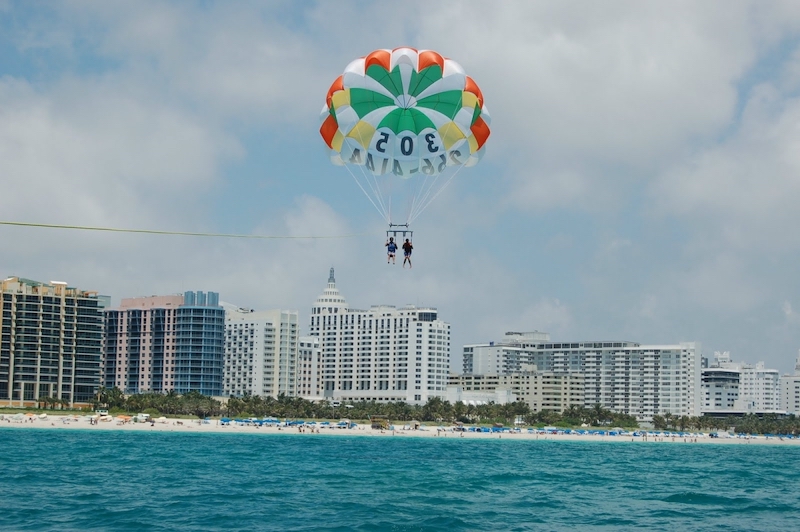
(115, 480)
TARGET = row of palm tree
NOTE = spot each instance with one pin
(768, 424)
(170, 403)
(435, 410)
(747, 424)
(45, 402)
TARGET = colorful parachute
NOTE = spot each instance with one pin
(404, 115)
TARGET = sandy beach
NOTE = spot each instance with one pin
(62, 422)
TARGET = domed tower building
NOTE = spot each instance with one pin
(382, 354)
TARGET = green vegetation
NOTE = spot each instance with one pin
(748, 424)
(435, 410)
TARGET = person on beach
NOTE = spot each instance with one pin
(391, 249)
(407, 247)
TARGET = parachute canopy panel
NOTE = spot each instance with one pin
(404, 114)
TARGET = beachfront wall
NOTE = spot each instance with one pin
(159, 344)
(382, 354)
(626, 377)
(459, 394)
(51, 342)
(261, 353)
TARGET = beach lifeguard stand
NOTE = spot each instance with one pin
(379, 422)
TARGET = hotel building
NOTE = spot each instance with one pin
(540, 390)
(309, 385)
(260, 352)
(50, 342)
(737, 387)
(626, 377)
(382, 354)
(790, 391)
(165, 343)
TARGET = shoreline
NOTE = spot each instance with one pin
(187, 425)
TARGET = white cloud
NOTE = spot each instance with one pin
(745, 191)
(87, 152)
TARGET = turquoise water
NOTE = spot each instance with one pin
(114, 480)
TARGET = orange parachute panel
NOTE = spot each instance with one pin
(381, 58)
(481, 131)
(472, 87)
(336, 86)
(328, 130)
(428, 58)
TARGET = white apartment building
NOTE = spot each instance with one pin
(309, 385)
(627, 377)
(790, 391)
(737, 387)
(382, 354)
(540, 390)
(261, 352)
(492, 360)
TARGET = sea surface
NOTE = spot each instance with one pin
(126, 480)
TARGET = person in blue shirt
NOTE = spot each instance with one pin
(391, 249)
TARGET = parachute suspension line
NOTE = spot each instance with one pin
(427, 201)
(419, 194)
(426, 198)
(372, 181)
(380, 211)
(389, 196)
(163, 232)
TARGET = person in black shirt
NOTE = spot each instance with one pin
(407, 247)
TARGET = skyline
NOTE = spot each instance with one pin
(639, 183)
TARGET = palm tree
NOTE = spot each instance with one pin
(599, 414)
(115, 398)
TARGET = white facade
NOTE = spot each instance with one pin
(459, 394)
(626, 377)
(739, 387)
(760, 388)
(790, 391)
(261, 352)
(491, 360)
(308, 376)
(382, 354)
(540, 390)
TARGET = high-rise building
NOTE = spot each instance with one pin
(540, 390)
(261, 352)
(382, 354)
(309, 384)
(51, 342)
(626, 377)
(790, 391)
(165, 343)
(737, 387)
(721, 386)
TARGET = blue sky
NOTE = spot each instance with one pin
(641, 181)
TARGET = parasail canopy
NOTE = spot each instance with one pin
(403, 122)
